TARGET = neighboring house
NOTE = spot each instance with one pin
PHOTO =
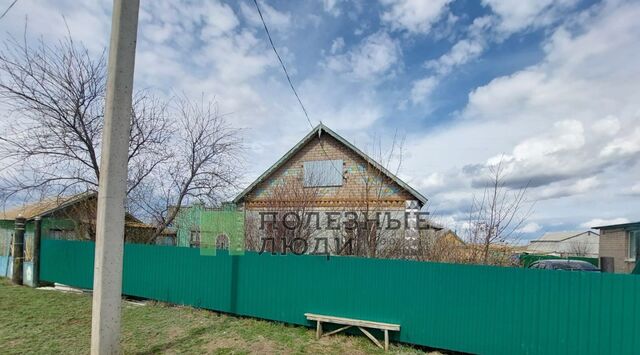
(68, 217)
(449, 237)
(569, 243)
(201, 226)
(620, 241)
(324, 173)
(442, 245)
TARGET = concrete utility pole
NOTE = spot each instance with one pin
(107, 282)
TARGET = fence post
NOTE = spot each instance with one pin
(18, 250)
(37, 235)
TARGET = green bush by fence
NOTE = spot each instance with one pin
(475, 309)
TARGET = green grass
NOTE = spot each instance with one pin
(42, 321)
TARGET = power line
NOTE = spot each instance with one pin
(286, 73)
(8, 8)
(284, 68)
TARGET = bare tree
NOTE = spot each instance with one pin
(496, 215)
(579, 248)
(374, 239)
(55, 96)
(354, 215)
(374, 200)
(441, 246)
(289, 209)
(204, 163)
(179, 150)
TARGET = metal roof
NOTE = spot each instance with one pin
(560, 236)
(53, 204)
(621, 225)
(44, 207)
(318, 131)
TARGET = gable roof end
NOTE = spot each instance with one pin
(318, 130)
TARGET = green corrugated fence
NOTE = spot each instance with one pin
(475, 309)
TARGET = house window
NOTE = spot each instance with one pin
(195, 239)
(60, 234)
(634, 237)
(322, 173)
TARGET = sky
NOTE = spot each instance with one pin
(550, 88)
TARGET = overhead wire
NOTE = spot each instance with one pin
(295, 92)
(284, 68)
(7, 10)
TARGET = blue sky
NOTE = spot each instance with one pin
(550, 87)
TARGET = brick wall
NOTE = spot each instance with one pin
(615, 243)
(355, 170)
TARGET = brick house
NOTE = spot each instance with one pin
(325, 178)
(620, 241)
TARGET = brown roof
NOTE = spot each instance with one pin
(43, 207)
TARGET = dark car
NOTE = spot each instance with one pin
(569, 265)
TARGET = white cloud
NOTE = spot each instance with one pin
(431, 181)
(566, 136)
(609, 125)
(570, 188)
(551, 121)
(543, 159)
(518, 15)
(530, 227)
(88, 21)
(510, 17)
(623, 146)
(415, 16)
(597, 222)
(329, 99)
(276, 20)
(332, 7)
(375, 55)
(337, 45)
(462, 52)
(421, 89)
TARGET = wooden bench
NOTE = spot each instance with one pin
(348, 323)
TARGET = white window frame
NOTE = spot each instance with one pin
(632, 244)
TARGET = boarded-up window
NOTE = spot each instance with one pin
(323, 173)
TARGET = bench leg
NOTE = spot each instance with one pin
(318, 329)
(370, 336)
(386, 340)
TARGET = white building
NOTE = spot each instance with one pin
(571, 243)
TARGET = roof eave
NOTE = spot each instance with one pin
(621, 225)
